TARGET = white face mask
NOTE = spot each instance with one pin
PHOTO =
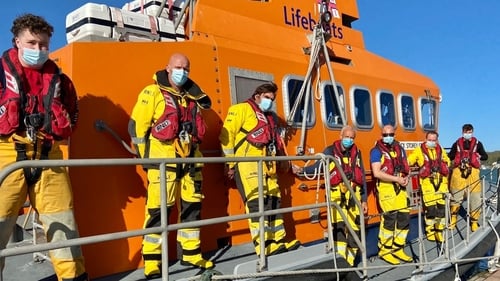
(467, 136)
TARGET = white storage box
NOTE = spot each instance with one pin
(151, 7)
(98, 22)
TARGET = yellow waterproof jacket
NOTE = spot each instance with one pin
(417, 156)
(150, 106)
(240, 116)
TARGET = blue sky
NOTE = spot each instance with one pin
(455, 43)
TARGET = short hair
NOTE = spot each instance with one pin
(270, 87)
(431, 133)
(347, 127)
(35, 24)
(467, 127)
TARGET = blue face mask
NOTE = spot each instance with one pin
(430, 144)
(179, 76)
(467, 136)
(388, 139)
(265, 104)
(35, 57)
(347, 142)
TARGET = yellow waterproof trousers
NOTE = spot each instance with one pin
(247, 181)
(52, 198)
(185, 186)
(395, 222)
(433, 195)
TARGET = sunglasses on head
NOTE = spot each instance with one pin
(388, 134)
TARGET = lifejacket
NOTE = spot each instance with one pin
(468, 156)
(432, 166)
(177, 119)
(20, 111)
(393, 165)
(265, 133)
(353, 172)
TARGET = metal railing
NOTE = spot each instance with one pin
(165, 228)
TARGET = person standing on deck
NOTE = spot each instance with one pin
(166, 122)
(38, 113)
(466, 155)
(390, 168)
(251, 129)
(349, 156)
(433, 163)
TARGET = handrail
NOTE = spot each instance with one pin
(165, 228)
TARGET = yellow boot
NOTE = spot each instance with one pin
(196, 261)
(152, 269)
(430, 232)
(386, 255)
(474, 218)
(400, 254)
(272, 248)
(351, 255)
(453, 218)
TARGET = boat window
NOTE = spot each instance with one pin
(428, 114)
(407, 112)
(386, 109)
(291, 93)
(244, 82)
(332, 106)
(362, 111)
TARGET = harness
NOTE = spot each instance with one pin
(465, 158)
(22, 114)
(264, 134)
(433, 168)
(351, 170)
(393, 165)
(184, 125)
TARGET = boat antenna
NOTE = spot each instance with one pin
(318, 54)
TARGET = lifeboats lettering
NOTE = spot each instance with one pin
(294, 17)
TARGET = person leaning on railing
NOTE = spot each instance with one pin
(251, 130)
(390, 168)
(433, 163)
(347, 153)
(38, 113)
(466, 155)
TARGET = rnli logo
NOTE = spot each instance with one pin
(162, 125)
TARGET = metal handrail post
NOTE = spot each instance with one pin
(163, 222)
(262, 265)
(483, 206)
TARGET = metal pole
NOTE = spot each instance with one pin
(163, 223)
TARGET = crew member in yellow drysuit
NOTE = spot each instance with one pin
(250, 129)
(390, 168)
(433, 162)
(44, 118)
(348, 154)
(466, 155)
(166, 122)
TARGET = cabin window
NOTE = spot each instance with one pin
(386, 109)
(292, 93)
(333, 106)
(407, 114)
(362, 111)
(428, 110)
(244, 82)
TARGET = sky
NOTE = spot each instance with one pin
(453, 42)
